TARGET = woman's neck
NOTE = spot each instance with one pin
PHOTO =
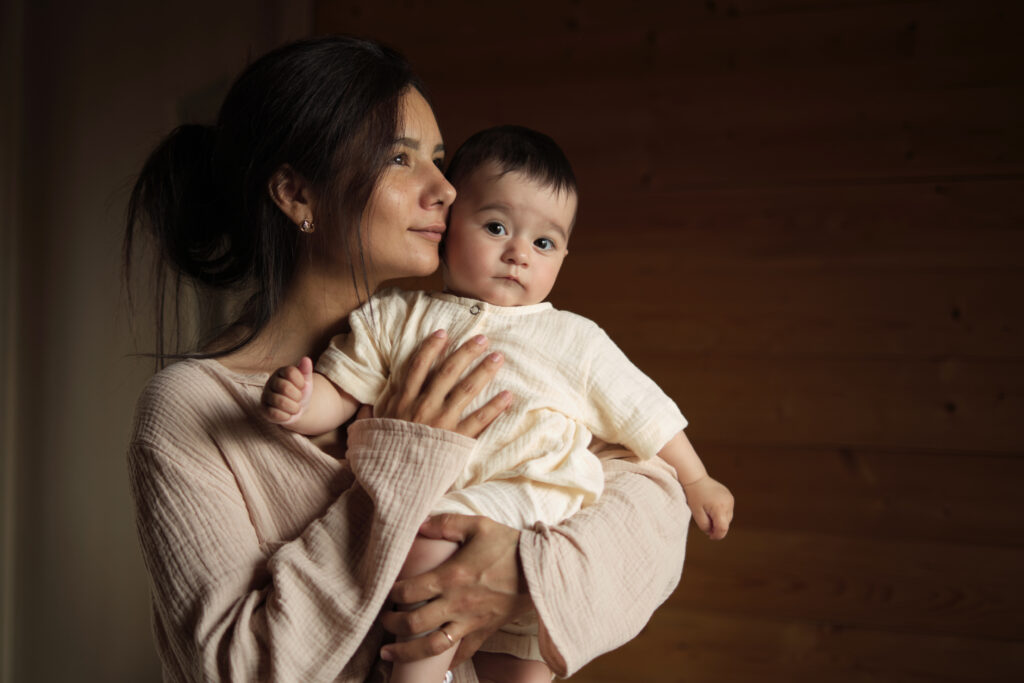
(314, 309)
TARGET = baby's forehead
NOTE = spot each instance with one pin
(486, 174)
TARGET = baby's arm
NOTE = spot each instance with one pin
(305, 401)
(710, 502)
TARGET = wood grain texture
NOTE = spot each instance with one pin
(805, 220)
(680, 646)
(892, 496)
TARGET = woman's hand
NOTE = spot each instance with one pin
(438, 396)
(471, 595)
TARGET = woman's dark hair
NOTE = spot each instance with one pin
(514, 148)
(327, 108)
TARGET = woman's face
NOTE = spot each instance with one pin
(405, 217)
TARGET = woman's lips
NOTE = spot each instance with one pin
(434, 233)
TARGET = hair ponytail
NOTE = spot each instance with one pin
(175, 199)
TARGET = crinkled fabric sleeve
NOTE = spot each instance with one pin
(597, 577)
(228, 610)
(623, 405)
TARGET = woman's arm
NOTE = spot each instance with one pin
(595, 579)
(230, 608)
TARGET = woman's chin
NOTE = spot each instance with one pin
(413, 268)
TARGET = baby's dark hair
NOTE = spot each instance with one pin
(514, 148)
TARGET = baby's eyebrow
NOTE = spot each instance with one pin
(560, 230)
(496, 206)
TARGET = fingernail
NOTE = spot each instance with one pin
(479, 339)
(385, 655)
(440, 334)
(506, 396)
(494, 357)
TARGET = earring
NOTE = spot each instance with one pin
(307, 226)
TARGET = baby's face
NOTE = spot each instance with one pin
(507, 237)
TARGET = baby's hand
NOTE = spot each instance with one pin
(711, 504)
(287, 392)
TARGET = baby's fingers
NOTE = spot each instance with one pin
(701, 519)
(287, 382)
(306, 370)
(279, 408)
(721, 518)
(719, 527)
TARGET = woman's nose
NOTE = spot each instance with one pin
(441, 192)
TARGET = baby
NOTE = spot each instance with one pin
(507, 237)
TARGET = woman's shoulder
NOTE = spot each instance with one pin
(189, 377)
(185, 394)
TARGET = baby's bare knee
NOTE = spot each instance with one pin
(493, 667)
(425, 554)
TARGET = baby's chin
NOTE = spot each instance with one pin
(504, 300)
(499, 298)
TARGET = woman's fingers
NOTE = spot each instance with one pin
(424, 618)
(477, 421)
(418, 648)
(418, 369)
(469, 645)
(472, 594)
(436, 393)
(448, 386)
(459, 386)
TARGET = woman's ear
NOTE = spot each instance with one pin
(293, 194)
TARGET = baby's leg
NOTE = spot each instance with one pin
(425, 554)
(494, 667)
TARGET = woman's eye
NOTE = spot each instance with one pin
(544, 244)
(400, 159)
(439, 163)
(495, 228)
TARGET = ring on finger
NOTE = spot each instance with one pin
(447, 635)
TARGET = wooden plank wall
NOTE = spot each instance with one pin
(804, 219)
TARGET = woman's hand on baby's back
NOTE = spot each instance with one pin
(436, 390)
(286, 394)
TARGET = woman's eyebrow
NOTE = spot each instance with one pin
(413, 143)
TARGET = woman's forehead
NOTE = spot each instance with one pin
(417, 126)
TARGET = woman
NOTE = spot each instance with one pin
(270, 558)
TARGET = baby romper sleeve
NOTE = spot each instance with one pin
(360, 361)
(622, 404)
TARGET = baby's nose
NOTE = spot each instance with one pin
(515, 255)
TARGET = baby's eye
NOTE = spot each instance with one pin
(544, 244)
(495, 228)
